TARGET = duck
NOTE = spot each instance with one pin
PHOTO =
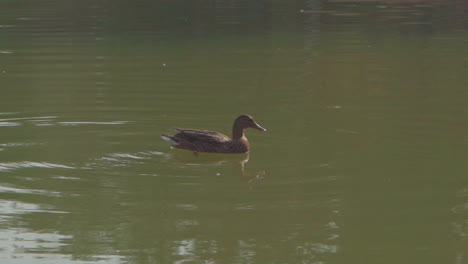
(197, 140)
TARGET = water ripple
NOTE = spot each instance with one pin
(93, 123)
(5, 166)
(26, 118)
(130, 156)
(18, 144)
(123, 159)
(8, 124)
(16, 207)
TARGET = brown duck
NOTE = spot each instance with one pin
(210, 141)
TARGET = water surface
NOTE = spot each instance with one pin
(364, 160)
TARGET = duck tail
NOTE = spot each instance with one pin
(169, 139)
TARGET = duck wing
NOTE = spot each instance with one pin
(198, 136)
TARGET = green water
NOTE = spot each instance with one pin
(363, 161)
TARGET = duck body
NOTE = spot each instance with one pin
(206, 141)
(210, 141)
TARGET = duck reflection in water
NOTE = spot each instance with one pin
(221, 164)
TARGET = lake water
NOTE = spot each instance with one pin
(364, 159)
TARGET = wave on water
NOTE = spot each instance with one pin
(49, 120)
(6, 166)
(93, 123)
(122, 159)
(28, 118)
(8, 124)
(6, 189)
(18, 121)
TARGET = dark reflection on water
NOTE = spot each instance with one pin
(363, 160)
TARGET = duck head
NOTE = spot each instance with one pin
(246, 121)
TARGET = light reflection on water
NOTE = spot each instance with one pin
(30, 164)
(23, 245)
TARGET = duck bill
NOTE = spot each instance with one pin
(257, 126)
